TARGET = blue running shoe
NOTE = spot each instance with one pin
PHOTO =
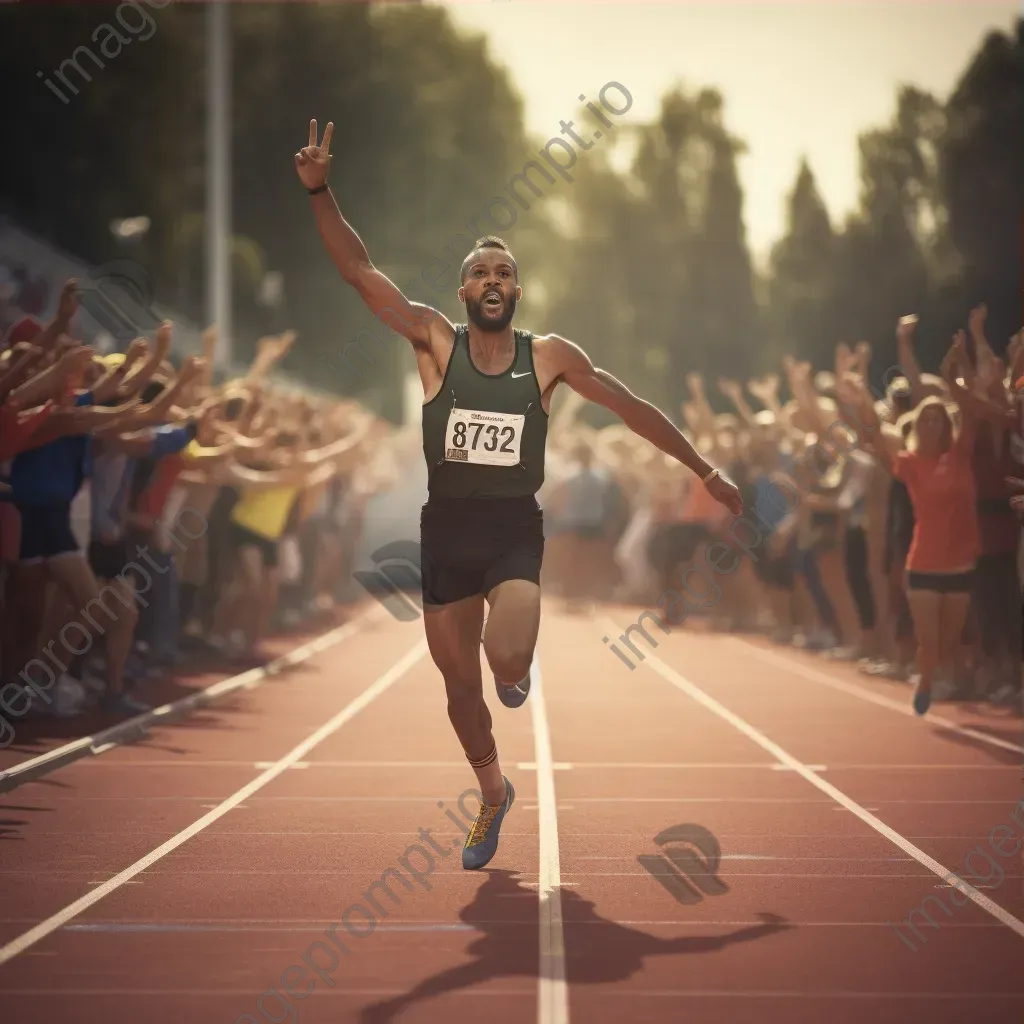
(482, 841)
(922, 702)
(514, 696)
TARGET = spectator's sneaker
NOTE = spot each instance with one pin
(922, 701)
(122, 704)
(94, 684)
(878, 667)
(840, 654)
(943, 687)
(137, 671)
(1006, 696)
(69, 698)
(168, 661)
(822, 640)
(514, 696)
(482, 841)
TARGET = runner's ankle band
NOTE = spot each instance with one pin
(483, 762)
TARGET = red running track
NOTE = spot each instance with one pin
(184, 877)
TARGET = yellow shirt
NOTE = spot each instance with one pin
(265, 512)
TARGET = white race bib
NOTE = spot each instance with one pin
(483, 438)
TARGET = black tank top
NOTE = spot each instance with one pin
(484, 435)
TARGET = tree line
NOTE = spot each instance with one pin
(647, 265)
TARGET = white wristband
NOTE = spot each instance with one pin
(711, 476)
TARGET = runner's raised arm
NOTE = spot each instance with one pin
(410, 319)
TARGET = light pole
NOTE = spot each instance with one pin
(218, 176)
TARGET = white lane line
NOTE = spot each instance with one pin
(552, 992)
(138, 763)
(303, 925)
(814, 676)
(699, 696)
(61, 918)
(517, 993)
(136, 728)
(408, 797)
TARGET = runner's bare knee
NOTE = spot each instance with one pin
(509, 658)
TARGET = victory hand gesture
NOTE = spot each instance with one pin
(314, 162)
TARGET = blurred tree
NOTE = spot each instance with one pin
(110, 110)
(852, 285)
(982, 178)
(722, 276)
(801, 276)
(594, 266)
(427, 130)
(642, 257)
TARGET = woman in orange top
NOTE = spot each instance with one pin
(936, 469)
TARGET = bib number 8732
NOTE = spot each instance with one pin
(483, 438)
(462, 430)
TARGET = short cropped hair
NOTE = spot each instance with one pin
(488, 242)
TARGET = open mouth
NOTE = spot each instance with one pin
(492, 301)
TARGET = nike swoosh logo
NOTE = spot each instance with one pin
(514, 374)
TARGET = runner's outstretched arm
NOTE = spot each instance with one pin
(384, 298)
(644, 419)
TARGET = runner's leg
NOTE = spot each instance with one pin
(513, 624)
(453, 637)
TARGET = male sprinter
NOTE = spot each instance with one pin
(487, 391)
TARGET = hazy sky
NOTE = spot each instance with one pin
(798, 78)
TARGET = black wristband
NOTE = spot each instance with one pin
(316, 191)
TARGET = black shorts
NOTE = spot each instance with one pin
(45, 531)
(243, 538)
(776, 572)
(942, 582)
(470, 545)
(108, 561)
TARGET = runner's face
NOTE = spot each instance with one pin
(489, 290)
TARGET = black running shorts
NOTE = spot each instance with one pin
(108, 561)
(470, 545)
(941, 582)
(244, 538)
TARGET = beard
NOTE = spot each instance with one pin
(484, 321)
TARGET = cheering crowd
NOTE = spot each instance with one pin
(883, 529)
(170, 518)
(148, 516)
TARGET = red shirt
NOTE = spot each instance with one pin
(17, 428)
(943, 494)
(151, 501)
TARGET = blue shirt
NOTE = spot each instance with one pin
(771, 507)
(115, 471)
(53, 473)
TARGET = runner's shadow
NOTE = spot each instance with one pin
(597, 949)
